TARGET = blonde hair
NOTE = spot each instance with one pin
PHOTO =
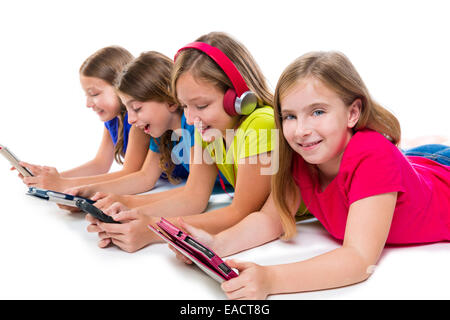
(336, 72)
(147, 78)
(203, 67)
(107, 64)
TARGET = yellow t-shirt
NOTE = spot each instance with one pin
(252, 137)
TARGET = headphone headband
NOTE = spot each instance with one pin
(224, 63)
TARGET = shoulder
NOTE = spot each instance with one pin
(371, 165)
(367, 142)
(111, 124)
(126, 124)
(261, 118)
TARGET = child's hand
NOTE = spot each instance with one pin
(199, 234)
(106, 200)
(73, 192)
(43, 177)
(130, 235)
(253, 282)
(81, 191)
(105, 240)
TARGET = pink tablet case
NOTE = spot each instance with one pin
(198, 253)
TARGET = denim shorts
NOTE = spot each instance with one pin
(436, 152)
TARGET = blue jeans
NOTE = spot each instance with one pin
(436, 152)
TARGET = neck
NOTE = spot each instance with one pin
(175, 122)
(329, 170)
(228, 138)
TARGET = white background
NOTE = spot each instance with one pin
(400, 48)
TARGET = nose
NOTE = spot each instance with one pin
(89, 102)
(190, 116)
(303, 129)
(132, 118)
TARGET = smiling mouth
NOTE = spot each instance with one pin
(310, 144)
(147, 128)
(201, 128)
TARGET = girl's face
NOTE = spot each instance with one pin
(101, 97)
(316, 122)
(203, 107)
(154, 117)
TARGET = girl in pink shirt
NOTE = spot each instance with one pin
(339, 156)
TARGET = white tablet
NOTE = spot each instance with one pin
(14, 161)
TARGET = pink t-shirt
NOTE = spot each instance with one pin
(372, 165)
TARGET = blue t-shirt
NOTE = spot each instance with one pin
(181, 150)
(113, 128)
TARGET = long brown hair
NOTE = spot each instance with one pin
(203, 67)
(147, 78)
(336, 72)
(107, 64)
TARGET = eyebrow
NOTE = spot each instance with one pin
(127, 103)
(195, 99)
(309, 107)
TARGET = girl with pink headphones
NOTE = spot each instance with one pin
(225, 95)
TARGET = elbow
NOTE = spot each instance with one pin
(101, 166)
(364, 266)
(366, 270)
(198, 202)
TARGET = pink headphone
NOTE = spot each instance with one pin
(237, 100)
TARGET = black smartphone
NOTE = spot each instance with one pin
(87, 207)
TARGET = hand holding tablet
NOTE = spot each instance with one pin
(14, 161)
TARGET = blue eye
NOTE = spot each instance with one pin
(288, 117)
(318, 112)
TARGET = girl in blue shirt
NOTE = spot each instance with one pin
(120, 141)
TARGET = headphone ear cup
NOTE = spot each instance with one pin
(229, 100)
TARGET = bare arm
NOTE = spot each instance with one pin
(134, 158)
(251, 191)
(367, 228)
(135, 182)
(100, 164)
(49, 178)
(254, 230)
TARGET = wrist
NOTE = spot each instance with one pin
(272, 279)
(151, 236)
(128, 200)
(62, 184)
(219, 245)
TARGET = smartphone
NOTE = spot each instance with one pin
(94, 211)
(54, 196)
(14, 161)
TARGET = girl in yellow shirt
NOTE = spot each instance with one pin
(225, 95)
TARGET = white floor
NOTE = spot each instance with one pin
(47, 254)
